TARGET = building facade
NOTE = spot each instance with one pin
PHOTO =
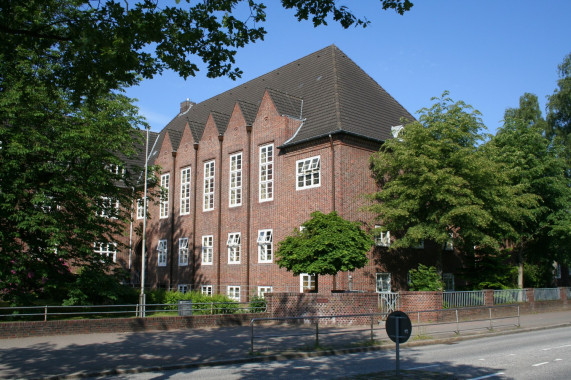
(244, 169)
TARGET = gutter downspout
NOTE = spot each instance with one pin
(194, 200)
(333, 189)
(249, 211)
(219, 182)
(171, 205)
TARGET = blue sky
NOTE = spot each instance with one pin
(484, 52)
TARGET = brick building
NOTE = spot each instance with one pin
(245, 168)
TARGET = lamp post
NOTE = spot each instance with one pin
(142, 301)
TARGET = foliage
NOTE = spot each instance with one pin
(64, 121)
(491, 270)
(425, 279)
(537, 276)
(559, 110)
(537, 167)
(437, 183)
(327, 244)
(257, 304)
(94, 287)
(201, 303)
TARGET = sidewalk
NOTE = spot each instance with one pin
(77, 355)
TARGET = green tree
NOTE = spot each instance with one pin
(425, 278)
(537, 167)
(559, 110)
(436, 183)
(326, 245)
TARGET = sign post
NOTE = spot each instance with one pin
(399, 328)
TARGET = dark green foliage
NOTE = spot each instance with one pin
(491, 270)
(201, 304)
(326, 245)
(93, 287)
(425, 279)
(538, 275)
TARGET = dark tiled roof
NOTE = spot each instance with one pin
(326, 89)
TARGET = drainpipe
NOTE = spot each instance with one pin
(249, 211)
(171, 206)
(219, 182)
(194, 200)
(333, 189)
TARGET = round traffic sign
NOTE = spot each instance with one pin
(400, 319)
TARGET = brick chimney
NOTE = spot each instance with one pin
(186, 105)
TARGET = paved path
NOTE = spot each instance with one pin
(77, 355)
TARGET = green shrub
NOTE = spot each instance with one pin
(425, 279)
(257, 304)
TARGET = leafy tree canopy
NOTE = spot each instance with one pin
(327, 244)
(437, 183)
(537, 166)
(559, 109)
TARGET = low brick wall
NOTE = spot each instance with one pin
(121, 325)
(319, 304)
(417, 301)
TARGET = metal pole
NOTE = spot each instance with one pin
(317, 333)
(143, 258)
(457, 323)
(397, 342)
(252, 336)
(372, 322)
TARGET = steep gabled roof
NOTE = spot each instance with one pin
(326, 89)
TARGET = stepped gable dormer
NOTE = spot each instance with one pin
(164, 149)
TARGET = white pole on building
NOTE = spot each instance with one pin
(143, 258)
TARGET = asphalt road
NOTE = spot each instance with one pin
(542, 354)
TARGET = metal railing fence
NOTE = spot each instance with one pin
(440, 321)
(547, 294)
(508, 296)
(568, 293)
(470, 298)
(132, 310)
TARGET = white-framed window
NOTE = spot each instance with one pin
(208, 200)
(448, 279)
(383, 282)
(206, 290)
(233, 248)
(162, 253)
(109, 207)
(106, 249)
(185, 191)
(140, 208)
(308, 173)
(117, 169)
(266, 173)
(235, 195)
(183, 288)
(207, 249)
(306, 282)
(182, 252)
(233, 292)
(265, 246)
(164, 204)
(382, 239)
(263, 290)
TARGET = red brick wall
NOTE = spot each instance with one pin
(120, 325)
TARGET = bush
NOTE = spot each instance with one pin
(425, 279)
(93, 286)
(257, 304)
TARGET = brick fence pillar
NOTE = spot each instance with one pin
(488, 297)
(530, 298)
(563, 295)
